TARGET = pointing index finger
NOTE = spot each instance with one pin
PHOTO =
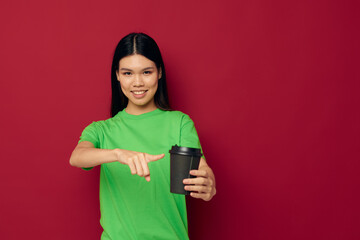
(152, 158)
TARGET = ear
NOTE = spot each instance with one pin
(160, 73)
(117, 75)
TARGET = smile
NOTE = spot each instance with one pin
(139, 92)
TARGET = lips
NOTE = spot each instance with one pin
(139, 93)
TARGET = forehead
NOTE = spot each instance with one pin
(135, 62)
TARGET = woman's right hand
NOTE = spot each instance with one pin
(138, 161)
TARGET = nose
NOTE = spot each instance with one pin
(138, 81)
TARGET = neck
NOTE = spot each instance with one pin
(137, 110)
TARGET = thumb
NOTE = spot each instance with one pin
(151, 158)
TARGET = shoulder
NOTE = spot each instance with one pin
(176, 114)
(99, 124)
(181, 117)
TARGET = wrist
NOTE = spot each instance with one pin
(117, 153)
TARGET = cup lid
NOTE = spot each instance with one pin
(186, 151)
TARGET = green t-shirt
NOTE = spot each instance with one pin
(131, 207)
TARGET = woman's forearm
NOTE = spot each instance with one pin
(84, 157)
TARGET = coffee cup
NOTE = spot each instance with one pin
(182, 160)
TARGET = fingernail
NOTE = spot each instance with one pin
(185, 181)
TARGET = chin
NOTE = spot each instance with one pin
(141, 103)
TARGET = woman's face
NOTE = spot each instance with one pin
(138, 77)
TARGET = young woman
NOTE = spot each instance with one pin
(133, 146)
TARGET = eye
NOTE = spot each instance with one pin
(127, 73)
(147, 72)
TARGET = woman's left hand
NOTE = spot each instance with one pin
(203, 186)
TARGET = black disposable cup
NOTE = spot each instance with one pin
(182, 160)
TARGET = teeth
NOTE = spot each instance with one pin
(139, 92)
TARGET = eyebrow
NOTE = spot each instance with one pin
(127, 69)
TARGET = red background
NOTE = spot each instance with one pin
(272, 86)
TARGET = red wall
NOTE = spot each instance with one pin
(273, 88)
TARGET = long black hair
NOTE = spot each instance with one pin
(137, 43)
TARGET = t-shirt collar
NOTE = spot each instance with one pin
(123, 113)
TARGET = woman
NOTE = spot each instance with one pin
(136, 141)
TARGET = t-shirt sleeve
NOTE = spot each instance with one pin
(188, 134)
(90, 134)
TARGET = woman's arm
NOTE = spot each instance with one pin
(85, 155)
(204, 185)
